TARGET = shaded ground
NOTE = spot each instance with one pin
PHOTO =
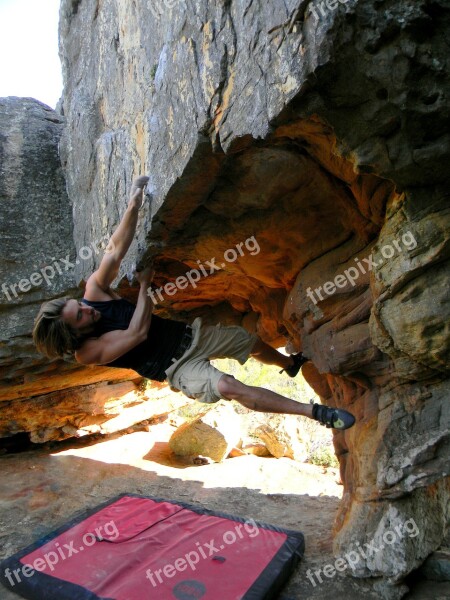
(41, 489)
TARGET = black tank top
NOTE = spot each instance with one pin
(151, 358)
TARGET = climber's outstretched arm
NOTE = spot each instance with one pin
(119, 243)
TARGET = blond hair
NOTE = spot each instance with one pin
(51, 335)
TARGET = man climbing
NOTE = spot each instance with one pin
(105, 329)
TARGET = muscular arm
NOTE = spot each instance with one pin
(97, 286)
(123, 236)
(142, 316)
(114, 344)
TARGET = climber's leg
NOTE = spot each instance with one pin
(269, 356)
(263, 400)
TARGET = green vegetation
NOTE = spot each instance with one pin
(192, 410)
(324, 457)
(254, 373)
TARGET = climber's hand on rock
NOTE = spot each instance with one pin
(137, 190)
(145, 277)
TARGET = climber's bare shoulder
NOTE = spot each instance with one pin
(97, 293)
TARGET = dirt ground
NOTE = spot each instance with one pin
(42, 488)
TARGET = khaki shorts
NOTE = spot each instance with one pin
(193, 374)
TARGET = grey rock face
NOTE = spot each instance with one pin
(36, 217)
(37, 261)
(437, 566)
(36, 227)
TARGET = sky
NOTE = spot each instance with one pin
(29, 61)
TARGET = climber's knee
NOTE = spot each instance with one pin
(257, 347)
(229, 387)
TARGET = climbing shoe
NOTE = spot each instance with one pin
(299, 361)
(337, 418)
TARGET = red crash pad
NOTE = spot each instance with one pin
(138, 547)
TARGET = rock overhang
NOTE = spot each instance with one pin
(262, 213)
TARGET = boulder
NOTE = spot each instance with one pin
(283, 440)
(213, 434)
(256, 450)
